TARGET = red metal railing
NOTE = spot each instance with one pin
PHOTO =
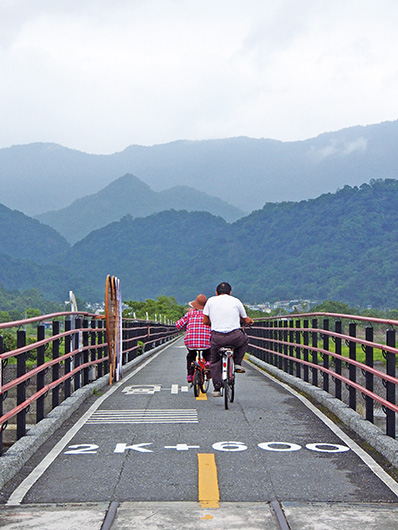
(73, 347)
(305, 346)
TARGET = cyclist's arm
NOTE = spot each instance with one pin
(206, 320)
(182, 322)
(248, 321)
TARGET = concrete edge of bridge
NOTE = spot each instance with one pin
(22, 450)
(372, 435)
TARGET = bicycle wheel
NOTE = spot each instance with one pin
(232, 389)
(231, 381)
(205, 384)
(226, 392)
(197, 382)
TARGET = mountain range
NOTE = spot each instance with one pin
(130, 196)
(244, 172)
(340, 246)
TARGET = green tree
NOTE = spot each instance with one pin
(166, 306)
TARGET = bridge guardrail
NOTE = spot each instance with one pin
(355, 362)
(73, 347)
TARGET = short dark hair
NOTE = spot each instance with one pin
(223, 288)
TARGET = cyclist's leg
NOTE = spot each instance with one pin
(215, 364)
(239, 340)
(191, 356)
(206, 357)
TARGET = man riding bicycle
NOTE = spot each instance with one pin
(224, 314)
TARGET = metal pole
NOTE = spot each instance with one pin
(41, 333)
(21, 388)
(390, 387)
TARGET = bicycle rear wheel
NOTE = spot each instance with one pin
(205, 384)
(226, 392)
(232, 391)
(226, 385)
(197, 382)
(231, 381)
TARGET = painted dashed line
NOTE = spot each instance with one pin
(143, 416)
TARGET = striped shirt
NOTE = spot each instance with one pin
(198, 335)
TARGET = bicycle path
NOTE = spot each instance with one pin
(150, 455)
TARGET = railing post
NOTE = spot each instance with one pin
(100, 340)
(93, 352)
(369, 378)
(85, 353)
(263, 335)
(21, 388)
(272, 344)
(314, 337)
(40, 380)
(305, 351)
(390, 387)
(352, 370)
(291, 348)
(55, 371)
(124, 332)
(298, 348)
(337, 385)
(77, 356)
(326, 357)
(285, 347)
(280, 345)
(1, 394)
(68, 361)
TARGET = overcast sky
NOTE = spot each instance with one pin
(99, 75)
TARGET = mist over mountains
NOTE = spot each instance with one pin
(244, 172)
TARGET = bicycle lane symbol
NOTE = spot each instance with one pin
(141, 390)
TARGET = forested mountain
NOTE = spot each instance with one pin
(54, 280)
(154, 255)
(25, 238)
(129, 195)
(245, 172)
(16, 305)
(341, 246)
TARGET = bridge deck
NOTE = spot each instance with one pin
(150, 455)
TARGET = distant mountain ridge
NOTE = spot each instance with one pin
(128, 195)
(244, 172)
(26, 238)
(341, 246)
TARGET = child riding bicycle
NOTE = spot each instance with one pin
(197, 336)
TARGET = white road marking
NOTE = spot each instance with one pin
(143, 416)
(363, 455)
(145, 390)
(141, 389)
(121, 448)
(182, 447)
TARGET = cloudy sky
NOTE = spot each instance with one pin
(99, 75)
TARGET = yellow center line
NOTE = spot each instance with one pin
(202, 396)
(209, 494)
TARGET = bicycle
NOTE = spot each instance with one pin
(228, 374)
(200, 381)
